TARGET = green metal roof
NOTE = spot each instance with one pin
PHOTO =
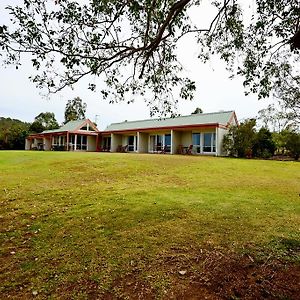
(222, 117)
(70, 126)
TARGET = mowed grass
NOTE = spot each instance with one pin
(74, 224)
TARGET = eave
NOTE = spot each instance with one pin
(164, 128)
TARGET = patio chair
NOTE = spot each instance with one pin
(124, 148)
(165, 150)
(189, 150)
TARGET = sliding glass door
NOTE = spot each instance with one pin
(209, 142)
(131, 143)
(204, 142)
(160, 142)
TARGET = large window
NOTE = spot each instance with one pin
(209, 142)
(160, 142)
(204, 142)
(81, 142)
(156, 143)
(59, 140)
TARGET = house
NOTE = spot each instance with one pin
(79, 135)
(193, 134)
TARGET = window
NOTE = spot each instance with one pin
(167, 144)
(87, 127)
(132, 143)
(158, 142)
(72, 139)
(197, 142)
(106, 143)
(56, 140)
(61, 140)
(209, 142)
(81, 143)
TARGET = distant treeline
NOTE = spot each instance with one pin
(13, 133)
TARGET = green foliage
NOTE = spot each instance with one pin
(44, 121)
(245, 141)
(263, 50)
(75, 110)
(115, 38)
(293, 144)
(12, 133)
(263, 145)
(239, 140)
(280, 139)
(36, 127)
(48, 120)
(198, 110)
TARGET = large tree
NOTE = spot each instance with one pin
(75, 110)
(44, 121)
(132, 44)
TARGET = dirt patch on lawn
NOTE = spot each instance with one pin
(211, 275)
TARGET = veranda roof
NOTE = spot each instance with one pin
(70, 126)
(222, 117)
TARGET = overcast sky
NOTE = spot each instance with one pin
(20, 99)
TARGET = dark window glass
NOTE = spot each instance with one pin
(196, 139)
(131, 143)
(168, 140)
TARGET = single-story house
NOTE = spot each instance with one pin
(192, 134)
(79, 135)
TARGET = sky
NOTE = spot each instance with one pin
(20, 99)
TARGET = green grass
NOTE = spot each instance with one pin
(76, 222)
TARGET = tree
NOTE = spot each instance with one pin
(280, 139)
(198, 110)
(263, 145)
(36, 127)
(48, 120)
(75, 110)
(114, 38)
(44, 121)
(240, 139)
(279, 117)
(293, 144)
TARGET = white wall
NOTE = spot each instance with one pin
(143, 142)
(116, 140)
(47, 144)
(27, 144)
(221, 133)
(91, 143)
(186, 138)
(175, 141)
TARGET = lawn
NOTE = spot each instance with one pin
(117, 226)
